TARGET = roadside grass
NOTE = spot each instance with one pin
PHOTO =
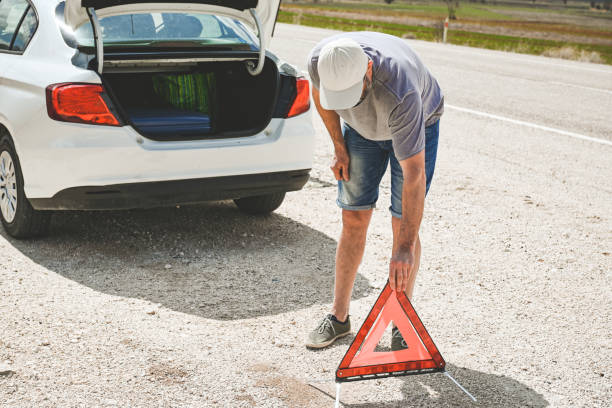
(434, 10)
(582, 11)
(473, 14)
(589, 52)
(601, 33)
(559, 28)
(560, 49)
(475, 11)
(346, 24)
(483, 10)
(573, 54)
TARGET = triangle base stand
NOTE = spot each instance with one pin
(337, 404)
(377, 376)
(446, 373)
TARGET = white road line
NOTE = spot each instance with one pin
(531, 125)
(304, 40)
(580, 86)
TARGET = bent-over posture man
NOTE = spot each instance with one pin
(391, 106)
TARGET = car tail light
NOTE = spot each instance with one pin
(79, 103)
(301, 103)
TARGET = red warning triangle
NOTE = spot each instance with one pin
(362, 362)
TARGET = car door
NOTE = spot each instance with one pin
(11, 13)
(18, 22)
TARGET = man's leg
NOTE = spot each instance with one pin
(348, 257)
(357, 197)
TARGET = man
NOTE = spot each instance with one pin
(391, 106)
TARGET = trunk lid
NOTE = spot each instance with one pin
(76, 10)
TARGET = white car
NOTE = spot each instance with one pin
(113, 104)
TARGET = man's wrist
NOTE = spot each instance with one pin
(340, 146)
(407, 247)
(408, 236)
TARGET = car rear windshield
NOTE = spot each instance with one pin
(162, 28)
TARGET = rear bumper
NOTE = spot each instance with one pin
(57, 156)
(169, 193)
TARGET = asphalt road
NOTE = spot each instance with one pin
(204, 306)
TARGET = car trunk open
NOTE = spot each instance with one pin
(207, 100)
(259, 16)
(267, 10)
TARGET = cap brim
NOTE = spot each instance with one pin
(338, 100)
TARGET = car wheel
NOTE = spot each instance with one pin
(263, 204)
(18, 217)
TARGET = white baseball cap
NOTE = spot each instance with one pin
(342, 66)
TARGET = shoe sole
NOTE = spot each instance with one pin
(327, 343)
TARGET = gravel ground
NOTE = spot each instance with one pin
(204, 306)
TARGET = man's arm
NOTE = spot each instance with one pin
(413, 202)
(331, 120)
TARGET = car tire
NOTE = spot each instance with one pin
(258, 205)
(21, 220)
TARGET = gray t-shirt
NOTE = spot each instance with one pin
(403, 99)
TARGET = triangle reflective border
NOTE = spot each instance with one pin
(361, 362)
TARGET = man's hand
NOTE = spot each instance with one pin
(400, 269)
(340, 165)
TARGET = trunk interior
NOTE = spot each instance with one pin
(207, 100)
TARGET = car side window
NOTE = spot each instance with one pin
(26, 31)
(11, 12)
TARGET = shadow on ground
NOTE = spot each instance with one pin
(210, 260)
(436, 390)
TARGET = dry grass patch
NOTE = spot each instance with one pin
(572, 53)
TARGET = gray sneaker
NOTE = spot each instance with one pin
(397, 341)
(328, 331)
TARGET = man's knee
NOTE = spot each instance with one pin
(356, 220)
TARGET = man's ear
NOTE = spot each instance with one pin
(370, 69)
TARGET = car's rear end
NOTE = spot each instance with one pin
(174, 106)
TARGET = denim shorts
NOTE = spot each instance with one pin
(368, 163)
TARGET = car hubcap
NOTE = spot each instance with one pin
(8, 187)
